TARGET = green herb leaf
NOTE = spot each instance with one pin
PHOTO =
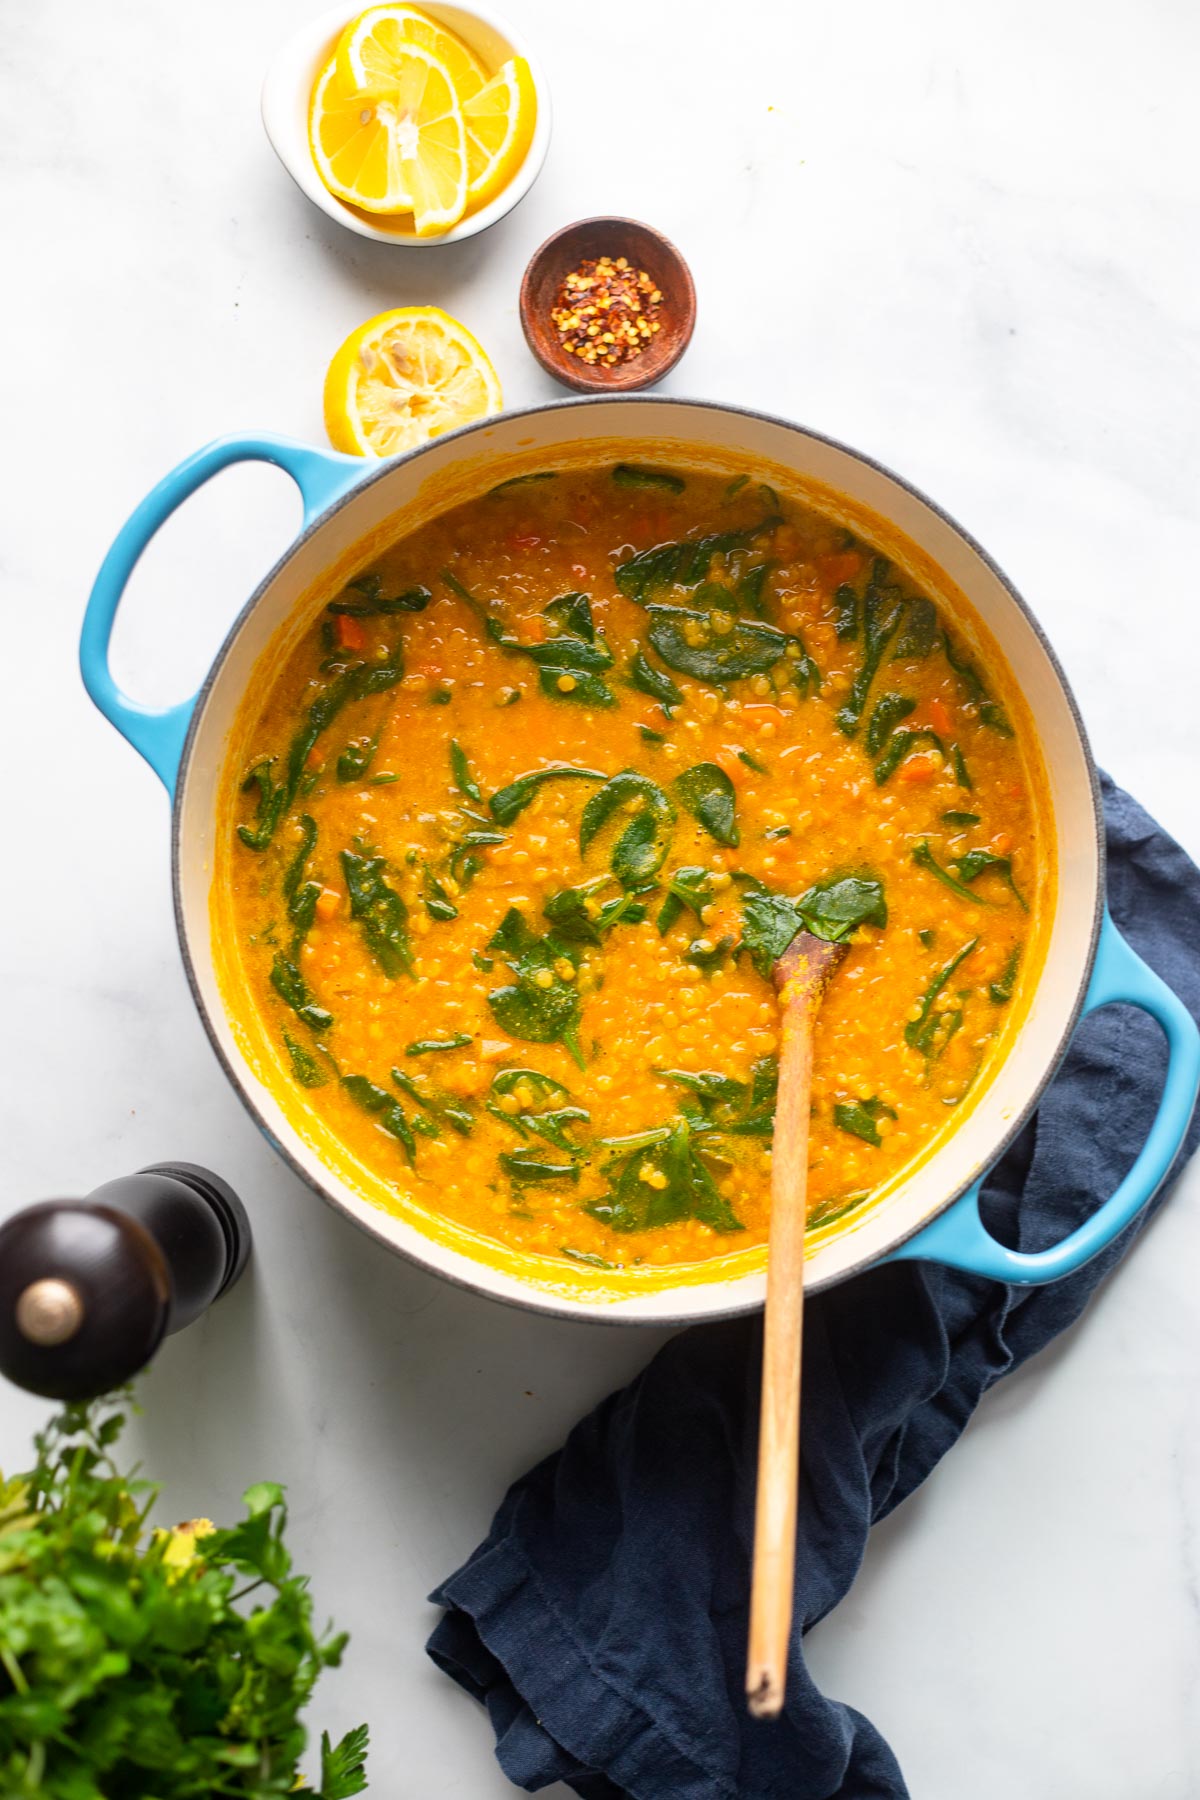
(513, 799)
(389, 1112)
(586, 1256)
(684, 564)
(861, 1118)
(881, 612)
(960, 818)
(690, 887)
(636, 475)
(751, 762)
(577, 913)
(380, 912)
(343, 1766)
(272, 797)
(438, 903)
(959, 765)
(519, 481)
(355, 759)
(708, 794)
(901, 744)
(846, 609)
(577, 654)
(522, 1167)
(831, 910)
(452, 1111)
(373, 604)
(301, 895)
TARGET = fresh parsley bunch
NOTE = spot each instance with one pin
(150, 1665)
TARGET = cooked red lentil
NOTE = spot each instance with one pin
(531, 807)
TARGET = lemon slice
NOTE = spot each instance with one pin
(403, 378)
(499, 123)
(367, 49)
(396, 147)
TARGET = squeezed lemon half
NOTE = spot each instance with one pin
(405, 377)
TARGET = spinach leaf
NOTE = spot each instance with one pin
(960, 818)
(373, 604)
(429, 1046)
(523, 1168)
(972, 865)
(900, 745)
(650, 735)
(889, 710)
(1000, 992)
(991, 713)
(305, 1067)
(931, 1031)
(707, 793)
(660, 1184)
(640, 849)
(438, 903)
(861, 1118)
(542, 1005)
(649, 680)
(918, 632)
(959, 765)
(690, 887)
(586, 1256)
(390, 1113)
(778, 831)
(577, 913)
(683, 564)
(735, 486)
(925, 859)
(460, 768)
(636, 475)
(301, 895)
(734, 1108)
(295, 992)
(513, 799)
(380, 911)
(706, 956)
(355, 759)
(272, 798)
(928, 939)
(881, 613)
(449, 1109)
(570, 665)
(517, 481)
(830, 909)
(751, 762)
(846, 608)
(751, 590)
(714, 646)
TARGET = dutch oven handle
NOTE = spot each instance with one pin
(959, 1239)
(321, 476)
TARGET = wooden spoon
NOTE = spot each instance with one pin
(801, 976)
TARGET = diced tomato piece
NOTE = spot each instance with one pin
(939, 717)
(918, 769)
(348, 632)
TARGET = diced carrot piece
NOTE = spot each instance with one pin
(532, 630)
(939, 717)
(314, 759)
(728, 759)
(349, 633)
(763, 714)
(328, 901)
(842, 565)
(1002, 843)
(917, 769)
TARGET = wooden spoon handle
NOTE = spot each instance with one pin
(802, 974)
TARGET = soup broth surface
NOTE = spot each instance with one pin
(516, 827)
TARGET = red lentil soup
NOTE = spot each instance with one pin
(514, 828)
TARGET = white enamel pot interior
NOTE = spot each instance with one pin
(408, 487)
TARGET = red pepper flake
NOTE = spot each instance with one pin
(606, 311)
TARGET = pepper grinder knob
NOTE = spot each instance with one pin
(89, 1288)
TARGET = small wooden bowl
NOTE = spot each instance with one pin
(645, 249)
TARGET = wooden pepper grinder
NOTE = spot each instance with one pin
(89, 1288)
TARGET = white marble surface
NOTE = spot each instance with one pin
(961, 238)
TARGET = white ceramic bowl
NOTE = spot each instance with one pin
(287, 95)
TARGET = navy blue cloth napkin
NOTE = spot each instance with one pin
(603, 1622)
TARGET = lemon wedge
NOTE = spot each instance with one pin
(499, 122)
(403, 378)
(396, 147)
(367, 50)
